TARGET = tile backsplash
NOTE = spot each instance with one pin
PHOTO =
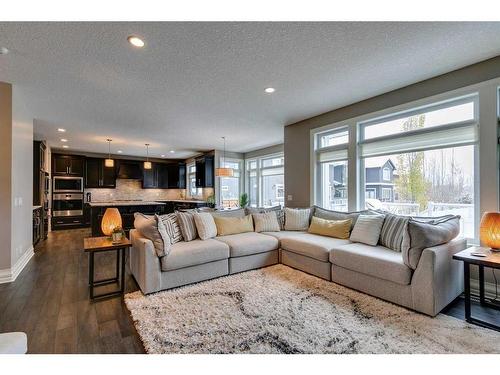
(132, 190)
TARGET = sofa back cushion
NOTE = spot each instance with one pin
(367, 229)
(240, 212)
(171, 226)
(148, 228)
(297, 218)
(266, 222)
(394, 231)
(278, 210)
(338, 215)
(187, 225)
(205, 225)
(331, 228)
(233, 225)
(428, 232)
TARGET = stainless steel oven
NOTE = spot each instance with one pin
(67, 204)
(66, 184)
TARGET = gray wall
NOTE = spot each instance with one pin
(297, 136)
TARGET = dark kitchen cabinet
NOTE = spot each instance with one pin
(150, 177)
(177, 176)
(67, 165)
(163, 177)
(205, 172)
(97, 175)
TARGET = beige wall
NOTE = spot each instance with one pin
(297, 136)
(5, 173)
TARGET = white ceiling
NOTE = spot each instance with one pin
(195, 82)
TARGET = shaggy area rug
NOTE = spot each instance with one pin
(281, 310)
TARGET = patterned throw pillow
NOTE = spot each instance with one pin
(266, 222)
(393, 231)
(205, 224)
(367, 229)
(297, 218)
(280, 213)
(171, 227)
(187, 225)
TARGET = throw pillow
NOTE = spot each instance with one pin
(266, 222)
(323, 213)
(187, 225)
(171, 226)
(394, 231)
(280, 213)
(428, 233)
(367, 229)
(297, 218)
(330, 228)
(205, 225)
(233, 225)
(148, 227)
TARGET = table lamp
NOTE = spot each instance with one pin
(489, 230)
(110, 221)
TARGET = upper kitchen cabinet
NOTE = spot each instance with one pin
(205, 169)
(97, 175)
(150, 177)
(176, 176)
(67, 165)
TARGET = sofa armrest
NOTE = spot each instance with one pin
(144, 263)
(438, 278)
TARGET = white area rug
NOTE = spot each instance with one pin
(282, 310)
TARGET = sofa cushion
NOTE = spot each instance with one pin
(192, 253)
(377, 261)
(284, 234)
(266, 222)
(249, 243)
(312, 245)
(239, 212)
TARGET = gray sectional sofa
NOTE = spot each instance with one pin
(376, 270)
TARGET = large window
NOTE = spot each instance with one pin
(265, 181)
(191, 181)
(331, 169)
(230, 186)
(421, 162)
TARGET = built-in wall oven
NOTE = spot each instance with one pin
(67, 204)
(67, 184)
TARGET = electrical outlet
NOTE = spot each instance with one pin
(289, 197)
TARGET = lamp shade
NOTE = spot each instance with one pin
(224, 172)
(109, 163)
(489, 229)
(110, 221)
(147, 165)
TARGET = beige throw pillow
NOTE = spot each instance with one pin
(330, 228)
(153, 230)
(233, 225)
(367, 229)
(205, 225)
(266, 222)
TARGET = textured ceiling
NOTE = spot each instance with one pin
(196, 82)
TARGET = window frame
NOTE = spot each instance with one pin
(259, 160)
(240, 177)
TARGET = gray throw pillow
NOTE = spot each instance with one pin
(394, 231)
(280, 213)
(367, 229)
(428, 232)
(153, 230)
(187, 225)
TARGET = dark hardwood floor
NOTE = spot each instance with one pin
(49, 301)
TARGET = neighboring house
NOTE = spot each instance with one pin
(380, 180)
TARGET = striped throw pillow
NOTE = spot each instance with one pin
(266, 222)
(171, 227)
(393, 231)
(187, 225)
(297, 218)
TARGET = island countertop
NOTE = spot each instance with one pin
(124, 203)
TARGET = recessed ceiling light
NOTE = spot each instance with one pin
(64, 140)
(65, 146)
(172, 151)
(270, 90)
(163, 156)
(3, 51)
(135, 41)
(119, 151)
(61, 130)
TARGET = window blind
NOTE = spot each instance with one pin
(332, 155)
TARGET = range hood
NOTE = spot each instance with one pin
(129, 170)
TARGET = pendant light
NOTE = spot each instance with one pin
(224, 172)
(147, 163)
(109, 163)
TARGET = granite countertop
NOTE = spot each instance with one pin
(184, 200)
(124, 203)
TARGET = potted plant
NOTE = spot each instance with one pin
(117, 234)
(243, 200)
(211, 201)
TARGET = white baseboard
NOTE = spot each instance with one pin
(10, 274)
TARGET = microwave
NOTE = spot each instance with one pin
(65, 184)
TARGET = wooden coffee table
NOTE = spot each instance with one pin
(491, 260)
(94, 245)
